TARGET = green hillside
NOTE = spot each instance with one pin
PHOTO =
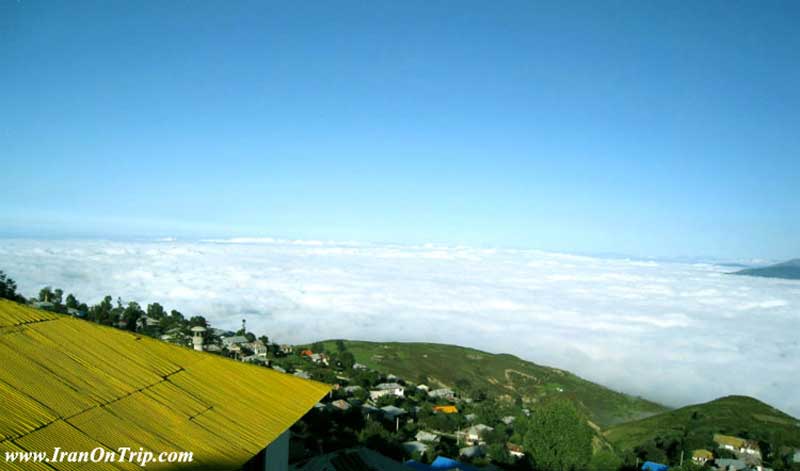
(501, 376)
(787, 270)
(693, 427)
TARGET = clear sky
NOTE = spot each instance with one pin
(644, 128)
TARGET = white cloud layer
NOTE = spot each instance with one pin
(673, 332)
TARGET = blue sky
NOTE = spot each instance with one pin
(644, 128)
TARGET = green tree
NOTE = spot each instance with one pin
(131, 314)
(101, 313)
(46, 294)
(8, 288)
(340, 346)
(558, 438)
(72, 302)
(58, 296)
(347, 360)
(155, 311)
(605, 460)
(198, 321)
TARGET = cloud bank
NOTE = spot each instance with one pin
(678, 333)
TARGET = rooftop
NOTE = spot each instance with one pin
(77, 385)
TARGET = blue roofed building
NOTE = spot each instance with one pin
(441, 464)
(652, 466)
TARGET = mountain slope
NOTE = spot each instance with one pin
(787, 270)
(695, 425)
(501, 376)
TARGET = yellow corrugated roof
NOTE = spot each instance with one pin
(735, 442)
(703, 454)
(77, 385)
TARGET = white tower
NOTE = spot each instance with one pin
(197, 337)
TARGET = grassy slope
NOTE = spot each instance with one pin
(500, 375)
(732, 415)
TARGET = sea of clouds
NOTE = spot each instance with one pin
(677, 333)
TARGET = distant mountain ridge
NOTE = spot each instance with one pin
(789, 270)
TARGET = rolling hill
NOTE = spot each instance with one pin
(695, 425)
(787, 270)
(501, 376)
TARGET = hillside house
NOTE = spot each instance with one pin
(701, 457)
(392, 412)
(341, 405)
(75, 313)
(319, 358)
(236, 340)
(427, 437)
(385, 389)
(796, 456)
(653, 466)
(441, 464)
(259, 360)
(145, 321)
(446, 409)
(349, 460)
(286, 349)
(471, 452)
(508, 420)
(442, 393)
(350, 390)
(728, 464)
(415, 447)
(43, 305)
(259, 348)
(89, 380)
(359, 366)
(474, 434)
(738, 445)
(515, 450)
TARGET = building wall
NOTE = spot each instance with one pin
(276, 456)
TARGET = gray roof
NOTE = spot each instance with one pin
(412, 447)
(441, 392)
(227, 341)
(731, 464)
(424, 436)
(393, 411)
(471, 451)
(384, 386)
(360, 456)
(479, 428)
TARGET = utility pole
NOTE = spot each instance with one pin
(681, 458)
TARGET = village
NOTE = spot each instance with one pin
(384, 421)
